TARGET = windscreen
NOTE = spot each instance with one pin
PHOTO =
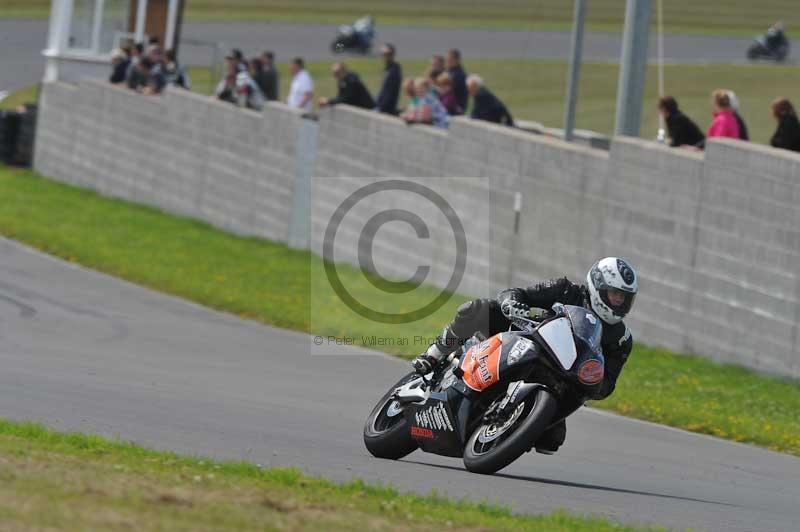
(586, 326)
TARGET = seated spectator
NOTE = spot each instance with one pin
(444, 84)
(682, 131)
(154, 76)
(389, 94)
(743, 134)
(436, 68)
(301, 91)
(427, 109)
(119, 66)
(174, 73)
(459, 77)
(724, 123)
(265, 75)
(352, 90)
(485, 105)
(787, 136)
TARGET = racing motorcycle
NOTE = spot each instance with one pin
(492, 398)
(355, 37)
(772, 46)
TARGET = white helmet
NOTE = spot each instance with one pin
(611, 273)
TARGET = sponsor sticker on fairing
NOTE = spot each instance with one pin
(591, 372)
(420, 432)
(519, 349)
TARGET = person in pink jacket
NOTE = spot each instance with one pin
(724, 123)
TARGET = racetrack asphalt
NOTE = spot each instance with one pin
(21, 43)
(80, 350)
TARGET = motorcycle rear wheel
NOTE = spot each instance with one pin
(491, 448)
(386, 433)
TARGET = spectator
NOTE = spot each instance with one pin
(787, 136)
(119, 66)
(458, 76)
(427, 109)
(743, 134)
(174, 73)
(236, 57)
(265, 75)
(248, 94)
(301, 91)
(436, 68)
(389, 93)
(444, 84)
(351, 89)
(132, 77)
(682, 131)
(226, 88)
(724, 123)
(485, 105)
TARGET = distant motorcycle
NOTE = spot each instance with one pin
(496, 396)
(773, 45)
(357, 37)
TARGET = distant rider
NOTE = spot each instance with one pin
(611, 287)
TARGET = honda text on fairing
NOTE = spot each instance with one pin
(496, 396)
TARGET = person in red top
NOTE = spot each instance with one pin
(724, 123)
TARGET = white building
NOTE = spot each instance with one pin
(84, 32)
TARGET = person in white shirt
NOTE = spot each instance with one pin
(301, 91)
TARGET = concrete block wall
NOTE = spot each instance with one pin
(714, 235)
(747, 268)
(183, 153)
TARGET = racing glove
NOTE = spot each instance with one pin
(513, 309)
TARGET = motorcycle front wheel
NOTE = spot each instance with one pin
(386, 433)
(494, 445)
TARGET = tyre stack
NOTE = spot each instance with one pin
(26, 133)
(17, 132)
(9, 131)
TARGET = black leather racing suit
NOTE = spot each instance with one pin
(484, 315)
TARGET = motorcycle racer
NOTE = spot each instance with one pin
(610, 289)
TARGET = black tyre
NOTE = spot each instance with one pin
(386, 433)
(492, 447)
(753, 52)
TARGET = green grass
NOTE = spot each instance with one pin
(266, 281)
(534, 89)
(69, 481)
(743, 17)
(16, 98)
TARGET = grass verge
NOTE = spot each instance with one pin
(266, 281)
(739, 17)
(68, 481)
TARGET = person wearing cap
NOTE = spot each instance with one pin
(389, 93)
(236, 57)
(119, 66)
(352, 90)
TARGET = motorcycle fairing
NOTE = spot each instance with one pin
(557, 335)
(435, 427)
(481, 364)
